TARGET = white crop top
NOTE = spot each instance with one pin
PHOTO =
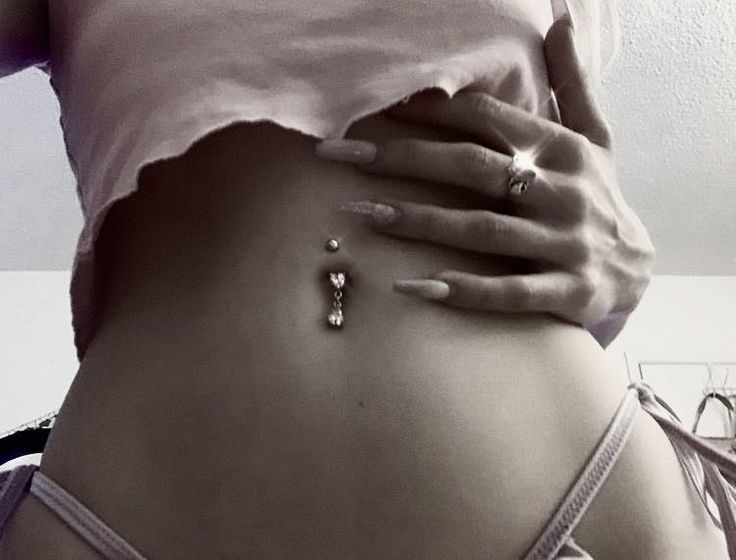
(141, 80)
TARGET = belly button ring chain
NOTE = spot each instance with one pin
(335, 318)
(337, 281)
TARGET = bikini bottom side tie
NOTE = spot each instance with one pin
(14, 486)
(712, 471)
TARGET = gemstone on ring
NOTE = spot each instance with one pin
(521, 173)
(522, 160)
(521, 168)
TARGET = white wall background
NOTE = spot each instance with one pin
(683, 319)
(671, 100)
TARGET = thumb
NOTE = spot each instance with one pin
(579, 109)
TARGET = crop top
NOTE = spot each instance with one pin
(141, 80)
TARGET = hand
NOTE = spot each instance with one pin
(592, 253)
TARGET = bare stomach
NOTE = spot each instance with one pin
(217, 414)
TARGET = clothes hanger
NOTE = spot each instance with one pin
(26, 441)
(713, 394)
(728, 398)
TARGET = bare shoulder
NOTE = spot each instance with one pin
(24, 34)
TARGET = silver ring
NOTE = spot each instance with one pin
(518, 187)
(521, 177)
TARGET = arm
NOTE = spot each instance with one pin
(24, 37)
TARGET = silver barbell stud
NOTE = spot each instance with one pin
(332, 244)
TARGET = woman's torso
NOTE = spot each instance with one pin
(216, 415)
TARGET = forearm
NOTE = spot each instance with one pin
(24, 37)
(608, 329)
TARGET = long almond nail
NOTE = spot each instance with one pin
(343, 149)
(426, 288)
(380, 213)
(560, 10)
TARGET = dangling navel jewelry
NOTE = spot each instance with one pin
(335, 318)
(337, 280)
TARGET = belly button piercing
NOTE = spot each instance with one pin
(332, 245)
(337, 280)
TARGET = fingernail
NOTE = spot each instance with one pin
(343, 149)
(426, 288)
(561, 10)
(379, 213)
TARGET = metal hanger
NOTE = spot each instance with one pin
(728, 398)
(27, 439)
(709, 394)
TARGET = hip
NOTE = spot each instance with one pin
(216, 397)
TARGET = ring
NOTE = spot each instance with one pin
(521, 176)
(518, 187)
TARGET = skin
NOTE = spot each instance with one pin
(592, 255)
(215, 412)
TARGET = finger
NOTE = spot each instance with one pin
(579, 109)
(560, 9)
(463, 164)
(499, 125)
(542, 292)
(482, 231)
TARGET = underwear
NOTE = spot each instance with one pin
(711, 470)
